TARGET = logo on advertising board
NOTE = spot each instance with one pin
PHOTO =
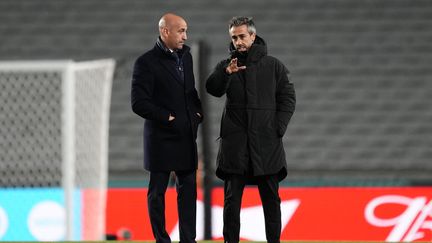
(46, 221)
(409, 224)
(4, 224)
(37, 214)
(251, 231)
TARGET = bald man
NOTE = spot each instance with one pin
(164, 94)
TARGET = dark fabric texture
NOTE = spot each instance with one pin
(160, 89)
(260, 101)
(186, 203)
(268, 187)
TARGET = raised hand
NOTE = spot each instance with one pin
(233, 68)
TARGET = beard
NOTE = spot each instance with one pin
(241, 48)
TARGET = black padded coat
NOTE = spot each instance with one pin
(260, 101)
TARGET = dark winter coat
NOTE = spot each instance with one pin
(260, 101)
(158, 91)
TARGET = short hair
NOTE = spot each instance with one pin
(242, 20)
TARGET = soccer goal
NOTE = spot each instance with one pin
(54, 148)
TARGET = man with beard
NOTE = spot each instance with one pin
(164, 94)
(260, 101)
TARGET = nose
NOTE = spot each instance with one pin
(185, 36)
(237, 42)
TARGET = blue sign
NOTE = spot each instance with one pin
(37, 214)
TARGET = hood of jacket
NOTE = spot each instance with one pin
(255, 52)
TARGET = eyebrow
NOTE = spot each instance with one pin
(240, 35)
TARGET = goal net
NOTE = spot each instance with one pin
(54, 149)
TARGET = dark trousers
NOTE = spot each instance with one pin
(186, 204)
(268, 187)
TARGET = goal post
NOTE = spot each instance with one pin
(54, 118)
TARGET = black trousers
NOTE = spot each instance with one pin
(186, 204)
(268, 187)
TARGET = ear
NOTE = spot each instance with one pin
(253, 36)
(165, 31)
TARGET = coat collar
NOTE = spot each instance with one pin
(167, 58)
(164, 49)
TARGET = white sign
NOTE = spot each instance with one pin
(46, 221)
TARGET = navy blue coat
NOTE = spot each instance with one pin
(158, 91)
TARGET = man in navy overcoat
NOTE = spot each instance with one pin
(164, 94)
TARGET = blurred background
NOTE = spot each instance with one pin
(361, 70)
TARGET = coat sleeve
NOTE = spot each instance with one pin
(197, 103)
(218, 81)
(196, 99)
(285, 99)
(143, 81)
